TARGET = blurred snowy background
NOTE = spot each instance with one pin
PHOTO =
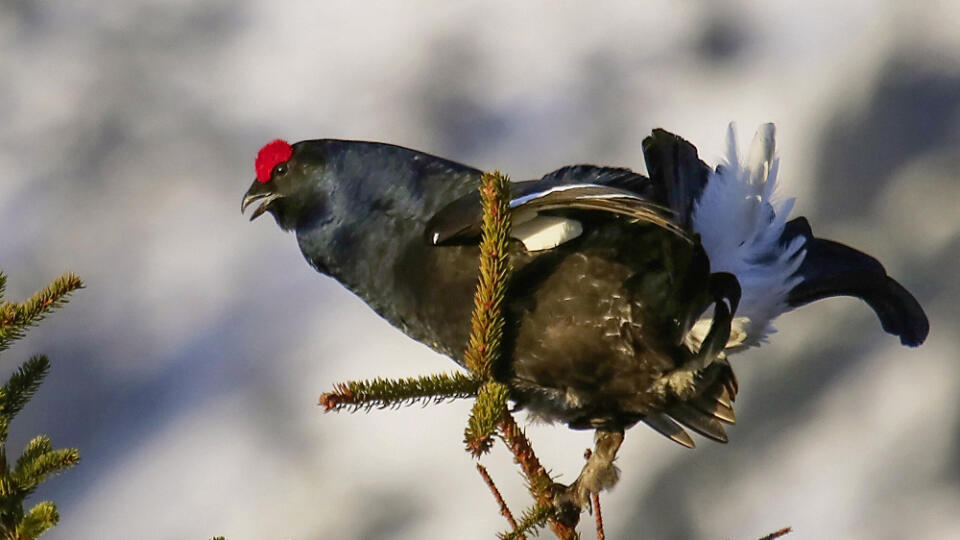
(187, 372)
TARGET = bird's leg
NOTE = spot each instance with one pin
(726, 292)
(598, 474)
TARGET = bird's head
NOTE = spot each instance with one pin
(354, 204)
(333, 183)
(291, 183)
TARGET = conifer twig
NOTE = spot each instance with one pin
(41, 517)
(541, 486)
(777, 534)
(538, 481)
(487, 321)
(598, 515)
(16, 318)
(532, 519)
(39, 459)
(504, 509)
(484, 350)
(383, 393)
(488, 410)
(19, 389)
(486, 324)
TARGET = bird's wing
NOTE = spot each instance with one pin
(677, 174)
(833, 269)
(544, 211)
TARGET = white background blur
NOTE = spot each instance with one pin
(187, 372)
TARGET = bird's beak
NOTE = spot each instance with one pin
(258, 191)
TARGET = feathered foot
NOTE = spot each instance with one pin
(597, 475)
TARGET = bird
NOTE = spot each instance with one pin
(629, 292)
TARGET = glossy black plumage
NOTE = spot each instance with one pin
(599, 326)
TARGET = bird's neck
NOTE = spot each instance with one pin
(385, 259)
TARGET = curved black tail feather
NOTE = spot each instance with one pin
(833, 269)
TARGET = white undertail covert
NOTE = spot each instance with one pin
(740, 222)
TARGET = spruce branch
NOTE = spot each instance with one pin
(37, 462)
(487, 321)
(16, 318)
(383, 393)
(41, 517)
(19, 389)
(532, 519)
(598, 515)
(39, 459)
(484, 351)
(538, 480)
(541, 486)
(488, 410)
(36, 448)
(35, 470)
(504, 509)
(777, 534)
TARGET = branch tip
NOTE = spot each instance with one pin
(777, 534)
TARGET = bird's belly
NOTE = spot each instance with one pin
(588, 350)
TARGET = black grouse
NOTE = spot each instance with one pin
(628, 292)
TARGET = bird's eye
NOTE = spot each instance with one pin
(280, 170)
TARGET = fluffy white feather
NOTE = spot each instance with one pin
(740, 223)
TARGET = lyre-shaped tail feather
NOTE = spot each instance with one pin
(833, 269)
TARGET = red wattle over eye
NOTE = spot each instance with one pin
(272, 154)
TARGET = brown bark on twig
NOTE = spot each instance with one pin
(777, 534)
(539, 482)
(598, 516)
(504, 509)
